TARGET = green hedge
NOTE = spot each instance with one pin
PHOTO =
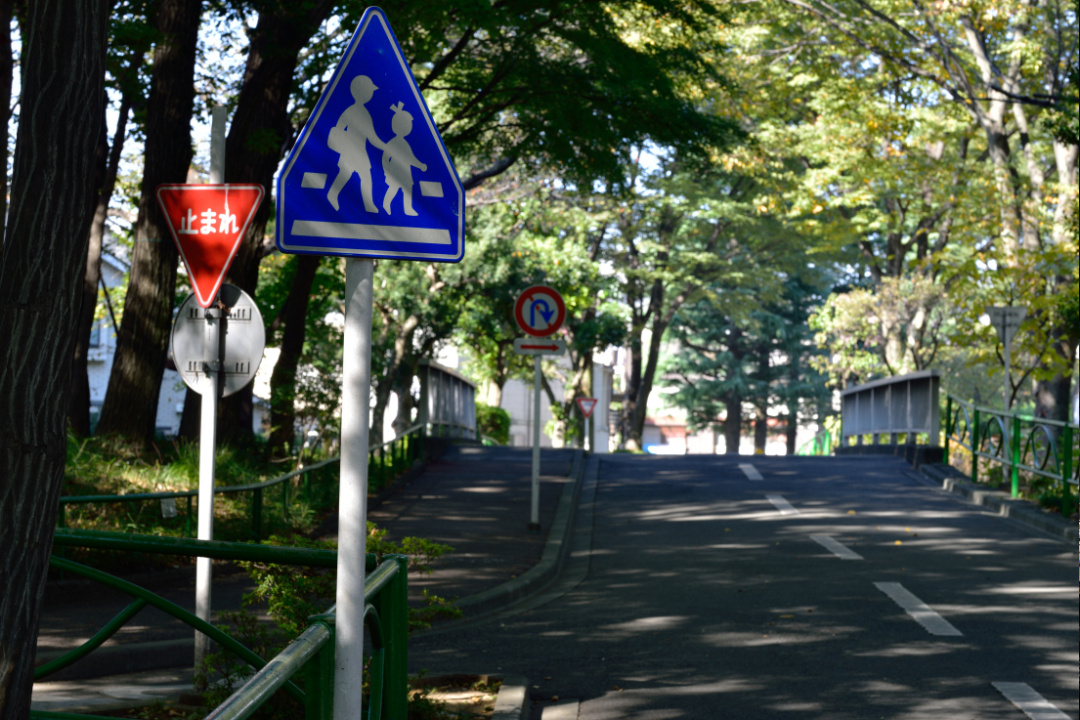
(494, 422)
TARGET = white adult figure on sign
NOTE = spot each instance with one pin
(349, 139)
(398, 161)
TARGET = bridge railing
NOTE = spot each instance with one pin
(385, 462)
(447, 402)
(902, 405)
(1020, 444)
(386, 617)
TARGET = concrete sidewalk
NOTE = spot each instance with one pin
(475, 499)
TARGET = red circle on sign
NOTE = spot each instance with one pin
(534, 313)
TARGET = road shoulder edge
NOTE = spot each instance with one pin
(538, 577)
(948, 479)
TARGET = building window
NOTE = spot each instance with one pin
(95, 334)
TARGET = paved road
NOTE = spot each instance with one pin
(704, 598)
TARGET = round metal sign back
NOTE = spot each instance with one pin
(540, 311)
(245, 340)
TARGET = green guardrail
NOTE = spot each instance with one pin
(1020, 444)
(820, 444)
(385, 463)
(385, 616)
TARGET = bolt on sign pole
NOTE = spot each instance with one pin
(208, 426)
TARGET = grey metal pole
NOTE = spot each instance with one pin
(1008, 366)
(352, 505)
(208, 419)
(538, 380)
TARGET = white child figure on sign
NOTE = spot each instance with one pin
(398, 161)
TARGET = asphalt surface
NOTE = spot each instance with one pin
(695, 595)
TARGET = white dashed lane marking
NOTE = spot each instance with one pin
(782, 505)
(751, 472)
(836, 547)
(1034, 705)
(916, 608)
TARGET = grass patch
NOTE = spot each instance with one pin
(106, 466)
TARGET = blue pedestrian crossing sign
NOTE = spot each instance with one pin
(369, 175)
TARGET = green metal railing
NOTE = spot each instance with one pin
(820, 444)
(386, 617)
(385, 462)
(1020, 444)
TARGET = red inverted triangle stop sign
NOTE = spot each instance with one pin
(207, 223)
(586, 405)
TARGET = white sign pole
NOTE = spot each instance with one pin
(534, 516)
(208, 427)
(588, 436)
(352, 505)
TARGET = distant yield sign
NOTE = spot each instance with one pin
(540, 311)
(370, 176)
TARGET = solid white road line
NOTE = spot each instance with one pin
(836, 547)
(916, 608)
(782, 505)
(751, 472)
(1034, 705)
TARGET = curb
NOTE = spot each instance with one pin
(1020, 511)
(512, 701)
(544, 572)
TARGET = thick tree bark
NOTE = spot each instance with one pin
(45, 244)
(7, 69)
(79, 395)
(283, 379)
(131, 401)
(258, 136)
(79, 406)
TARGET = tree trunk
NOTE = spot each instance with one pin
(648, 376)
(283, 379)
(131, 401)
(406, 403)
(761, 430)
(258, 136)
(733, 424)
(633, 387)
(7, 69)
(792, 429)
(79, 394)
(52, 197)
(79, 407)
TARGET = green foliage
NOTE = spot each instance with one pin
(292, 595)
(494, 422)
